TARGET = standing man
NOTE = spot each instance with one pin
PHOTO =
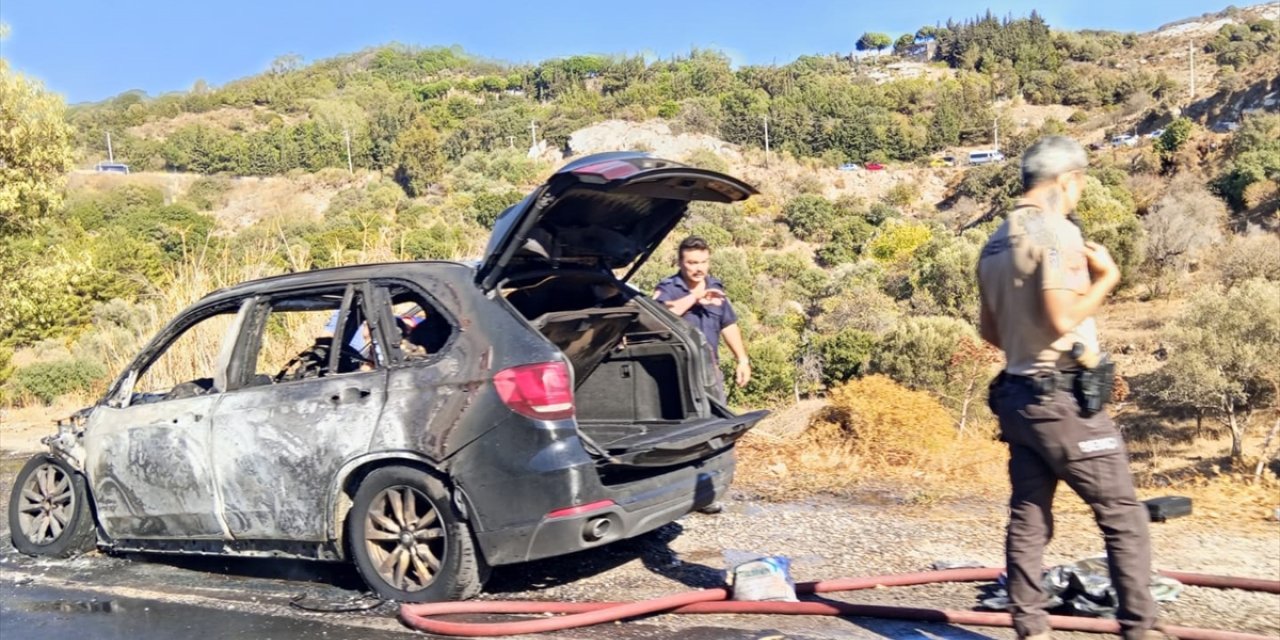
(1040, 285)
(698, 297)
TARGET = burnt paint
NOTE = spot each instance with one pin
(149, 469)
(277, 447)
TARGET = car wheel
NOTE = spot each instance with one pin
(407, 541)
(49, 510)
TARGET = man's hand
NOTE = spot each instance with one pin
(712, 297)
(743, 373)
(1101, 265)
(699, 289)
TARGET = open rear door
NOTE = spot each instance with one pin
(607, 211)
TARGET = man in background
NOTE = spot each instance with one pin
(698, 297)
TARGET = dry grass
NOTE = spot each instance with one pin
(199, 274)
(876, 437)
(874, 433)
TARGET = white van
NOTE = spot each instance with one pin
(985, 157)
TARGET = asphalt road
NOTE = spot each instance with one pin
(154, 597)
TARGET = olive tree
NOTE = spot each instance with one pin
(1224, 357)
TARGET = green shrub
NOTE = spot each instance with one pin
(917, 352)
(209, 192)
(48, 381)
(437, 242)
(486, 206)
(1108, 216)
(895, 243)
(942, 273)
(1175, 135)
(706, 159)
(903, 194)
(173, 228)
(773, 372)
(6, 364)
(994, 184)
(809, 216)
(845, 355)
(714, 234)
(879, 213)
(846, 243)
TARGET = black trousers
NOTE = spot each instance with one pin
(1050, 441)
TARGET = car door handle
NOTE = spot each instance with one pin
(350, 394)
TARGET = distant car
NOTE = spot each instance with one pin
(1156, 134)
(875, 166)
(849, 166)
(943, 161)
(985, 157)
(1124, 140)
(111, 167)
(1225, 126)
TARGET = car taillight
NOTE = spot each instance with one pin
(541, 391)
(607, 170)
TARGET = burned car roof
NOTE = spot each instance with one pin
(335, 275)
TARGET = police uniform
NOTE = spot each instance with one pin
(709, 319)
(1049, 437)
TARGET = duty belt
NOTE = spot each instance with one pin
(1046, 383)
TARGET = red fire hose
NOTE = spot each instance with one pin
(717, 601)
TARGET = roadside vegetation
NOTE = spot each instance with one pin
(865, 304)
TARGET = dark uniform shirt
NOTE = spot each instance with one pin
(709, 319)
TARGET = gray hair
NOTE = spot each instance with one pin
(1051, 157)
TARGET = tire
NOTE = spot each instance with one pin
(49, 511)
(428, 556)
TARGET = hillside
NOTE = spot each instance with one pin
(838, 271)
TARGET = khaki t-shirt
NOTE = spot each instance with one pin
(1034, 251)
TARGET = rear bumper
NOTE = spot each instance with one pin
(639, 506)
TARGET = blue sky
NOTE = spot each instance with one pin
(90, 50)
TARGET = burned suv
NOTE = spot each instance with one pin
(424, 420)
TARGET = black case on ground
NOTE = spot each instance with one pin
(1165, 507)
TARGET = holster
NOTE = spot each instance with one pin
(1093, 387)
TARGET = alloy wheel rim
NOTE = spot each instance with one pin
(46, 505)
(404, 536)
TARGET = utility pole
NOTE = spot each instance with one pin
(766, 141)
(533, 134)
(346, 134)
(995, 122)
(111, 157)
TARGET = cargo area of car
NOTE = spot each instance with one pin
(633, 375)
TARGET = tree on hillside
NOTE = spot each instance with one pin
(904, 43)
(1184, 223)
(1175, 135)
(1225, 357)
(35, 150)
(874, 40)
(1255, 150)
(419, 157)
(1109, 218)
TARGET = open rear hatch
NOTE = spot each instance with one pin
(606, 211)
(603, 214)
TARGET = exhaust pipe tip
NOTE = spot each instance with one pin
(596, 529)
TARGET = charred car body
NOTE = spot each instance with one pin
(424, 420)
